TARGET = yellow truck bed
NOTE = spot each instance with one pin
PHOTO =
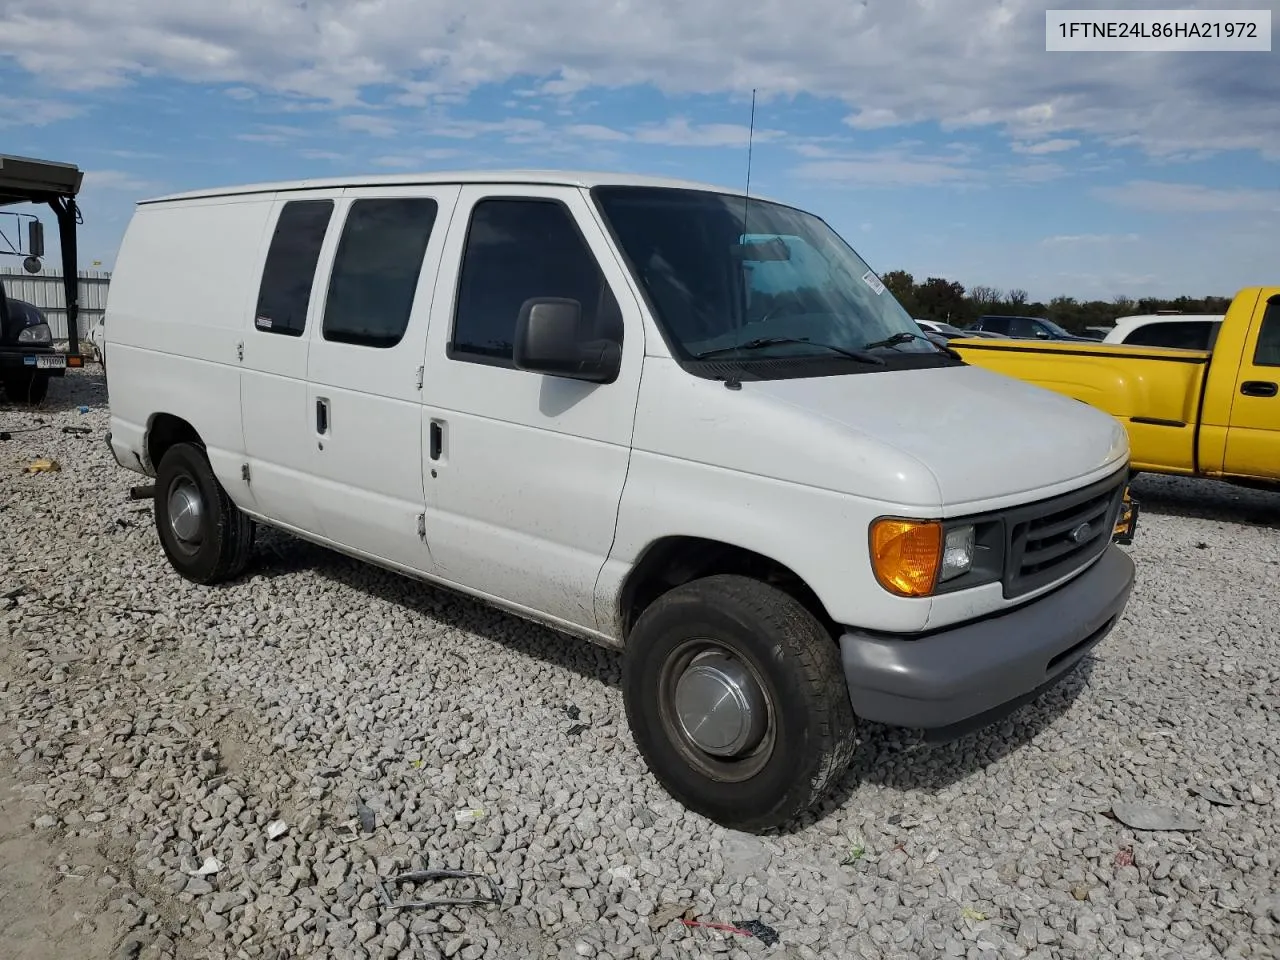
(1189, 412)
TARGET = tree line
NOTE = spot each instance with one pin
(949, 302)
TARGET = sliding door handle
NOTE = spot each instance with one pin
(322, 416)
(1258, 388)
(437, 439)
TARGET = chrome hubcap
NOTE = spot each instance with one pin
(186, 511)
(719, 705)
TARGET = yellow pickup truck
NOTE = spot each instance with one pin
(1206, 413)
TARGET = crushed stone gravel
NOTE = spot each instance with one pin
(255, 756)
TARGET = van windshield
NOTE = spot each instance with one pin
(756, 281)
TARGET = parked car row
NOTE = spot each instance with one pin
(1182, 331)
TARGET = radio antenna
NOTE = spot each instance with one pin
(751, 133)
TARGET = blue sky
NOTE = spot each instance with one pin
(937, 138)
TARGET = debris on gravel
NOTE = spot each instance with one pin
(252, 758)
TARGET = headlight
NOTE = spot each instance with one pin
(922, 558)
(906, 555)
(957, 552)
(36, 333)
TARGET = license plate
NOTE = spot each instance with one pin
(1127, 522)
(53, 362)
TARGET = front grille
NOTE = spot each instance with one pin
(1051, 539)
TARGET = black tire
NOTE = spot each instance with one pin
(29, 387)
(222, 542)
(797, 666)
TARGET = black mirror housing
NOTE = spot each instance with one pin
(35, 238)
(548, 340)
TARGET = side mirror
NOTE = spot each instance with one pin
(1041, 334)
(35, 238)
(548, 340)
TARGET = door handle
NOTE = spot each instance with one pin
(437, 439)
(322, 416)
(1258, 388)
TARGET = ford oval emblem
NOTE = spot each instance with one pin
(1081, 533)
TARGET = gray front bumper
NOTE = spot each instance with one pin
(970, 675)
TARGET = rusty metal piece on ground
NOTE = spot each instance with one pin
(494, 895)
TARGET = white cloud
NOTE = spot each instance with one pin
(117, 180)
(364, 123)
(1036, 172)
(1162, 197)
(899, 166)
(272, 133)
(415, 160)
(241, 93)
(32, 112)
(965, 63)
(1056, 145)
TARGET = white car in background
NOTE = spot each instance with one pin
(1189, 331)
(98, 337)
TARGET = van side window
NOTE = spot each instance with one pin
(517, 249)
(1267, 353)
(285, 291)
(376, 269)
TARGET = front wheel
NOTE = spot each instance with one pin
(736, 698)
(205, 536)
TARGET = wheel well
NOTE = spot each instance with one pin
(165, 431)
(673, 561)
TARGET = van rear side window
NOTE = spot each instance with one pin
(376, 269)
(285, 292)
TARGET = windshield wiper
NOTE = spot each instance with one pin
(860, 355)
(906, 337)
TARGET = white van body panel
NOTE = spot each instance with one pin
(177, 318)
(366, 481)
(548, 491)
(524, 499)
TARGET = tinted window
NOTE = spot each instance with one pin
(376, 268)
(291, 267)
(1021, 327)
(1189, 335)
(994, 324)
(1267, 353)
(516, 250)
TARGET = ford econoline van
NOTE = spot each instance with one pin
(686, 423)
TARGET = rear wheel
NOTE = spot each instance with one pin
(26, 386)
(736, 698)
(205, 536)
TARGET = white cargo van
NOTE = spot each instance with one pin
(662, 416)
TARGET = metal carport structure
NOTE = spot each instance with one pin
(24, 180)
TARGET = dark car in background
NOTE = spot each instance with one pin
(1027, 328)
(27, 356)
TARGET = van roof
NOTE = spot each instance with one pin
(540, 177)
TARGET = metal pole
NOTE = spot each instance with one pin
(65, 208)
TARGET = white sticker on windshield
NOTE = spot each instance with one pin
(872, 281)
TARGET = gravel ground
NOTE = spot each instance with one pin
(148, 725)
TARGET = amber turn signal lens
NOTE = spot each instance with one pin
(906, 554)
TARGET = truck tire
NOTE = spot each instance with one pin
(29, 387)
(736, 699)
(205, 536)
